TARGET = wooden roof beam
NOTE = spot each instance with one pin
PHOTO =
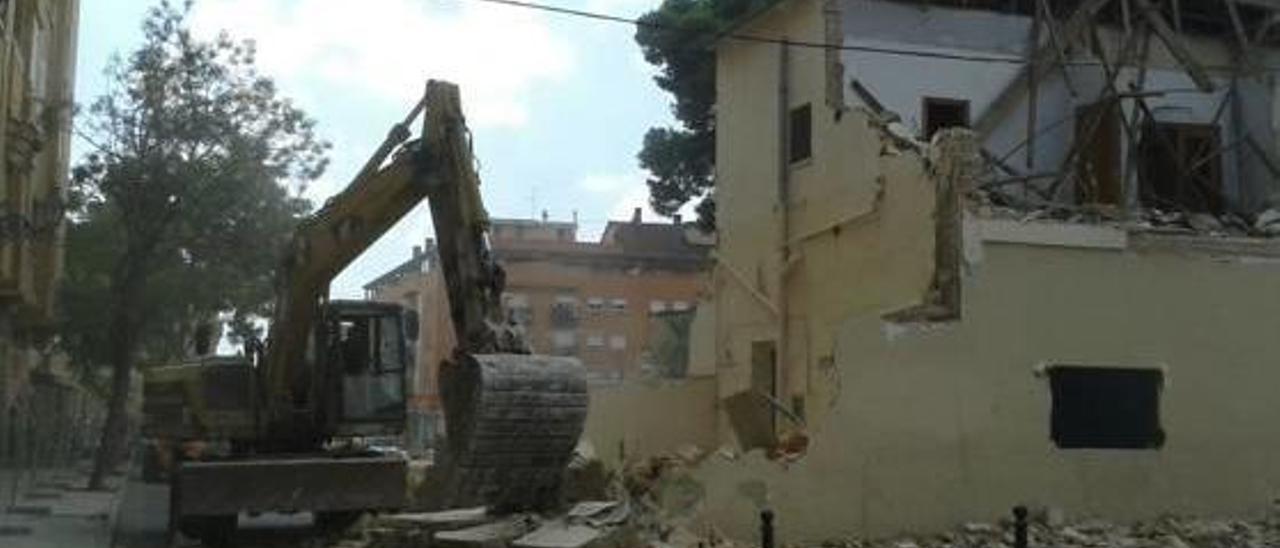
(1038, 62)
(1176, 46)
(1266, 4)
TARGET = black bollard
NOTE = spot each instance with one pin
(766, 528)
(1019, 526)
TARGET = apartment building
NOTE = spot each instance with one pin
(37, 77)
(623, 304)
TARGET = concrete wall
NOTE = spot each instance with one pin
(635, 420)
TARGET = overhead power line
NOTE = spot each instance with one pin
(712, 36)
(756, 38)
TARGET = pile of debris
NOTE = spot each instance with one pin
(1002, 205)
(594, 524)
(1165, 532)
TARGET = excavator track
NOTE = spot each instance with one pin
(512, 422)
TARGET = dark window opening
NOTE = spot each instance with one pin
(801, 135)
(764, 382)
(1098, 161)
(942, 113)
(1105, 408)
(1180, 167)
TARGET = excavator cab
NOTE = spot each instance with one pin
(368, 353)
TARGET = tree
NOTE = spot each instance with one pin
(180, 212)
(676, 38)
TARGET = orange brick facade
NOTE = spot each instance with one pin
(593, 300)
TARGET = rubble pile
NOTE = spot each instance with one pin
(588, 524)
(1046, 532)
(992, 204)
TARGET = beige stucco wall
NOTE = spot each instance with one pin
(854, 213)
(925, 426)
(937, 425)
(639, 419)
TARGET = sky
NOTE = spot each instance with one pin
(558, 106)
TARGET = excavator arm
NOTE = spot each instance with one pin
(512, 418)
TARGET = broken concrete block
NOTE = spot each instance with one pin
(1268, 221)
(490, 535)
(979, 528)
(431, 522)
(559, 535)
(585, 477)
(591, 508)
(690, 454)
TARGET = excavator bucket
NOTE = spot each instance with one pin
(512, 422)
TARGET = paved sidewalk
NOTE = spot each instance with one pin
(50, 509)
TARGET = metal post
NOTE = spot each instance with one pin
(766, 528)
(1020, 526)
(12, 456)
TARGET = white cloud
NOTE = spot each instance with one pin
(390, 47)
(608, 183)
(638, 196)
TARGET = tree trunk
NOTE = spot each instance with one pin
(124, 342)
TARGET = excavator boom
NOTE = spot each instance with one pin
(321, 247)
(512, 418)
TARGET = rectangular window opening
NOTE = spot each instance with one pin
(1180, 167)
(942, 113)
(800, 140)
(1105, 407)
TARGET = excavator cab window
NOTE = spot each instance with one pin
(372, 351)
(353, 342)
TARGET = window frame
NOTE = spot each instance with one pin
(799, 150)
(926, 121)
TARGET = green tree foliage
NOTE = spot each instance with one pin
(668, 346)
(677, 38)
(180, 213)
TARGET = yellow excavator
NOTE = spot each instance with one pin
(279, 428)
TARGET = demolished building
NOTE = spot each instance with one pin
(1069, 306)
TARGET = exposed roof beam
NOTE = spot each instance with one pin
(1038, 62)
(1176, 46)
(1268, 4)
(1261, 35)
(1242, 37)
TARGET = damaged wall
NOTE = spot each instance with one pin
(925, 425)
(902, 82)
(853, 220)
(937, 424)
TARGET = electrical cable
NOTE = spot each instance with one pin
(757, 39)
